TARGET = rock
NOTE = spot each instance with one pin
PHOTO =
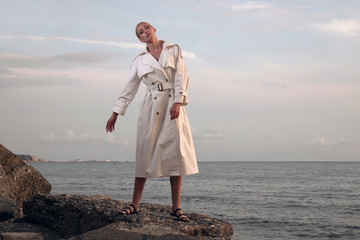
(23, 180)
(7, 202)
(21, 236)
(84, 217)
(21, 227)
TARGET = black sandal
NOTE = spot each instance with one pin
(132, 210)
(181, 217)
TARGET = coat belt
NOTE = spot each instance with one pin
(159, 87)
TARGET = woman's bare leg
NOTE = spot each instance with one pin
(138, 190)
(175, 182)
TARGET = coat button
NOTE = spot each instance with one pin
(155, 98)
(157, 113)
(169, 95)
(167, 80)
(153, 83)
(181, 92)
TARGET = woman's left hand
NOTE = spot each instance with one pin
(175, 111)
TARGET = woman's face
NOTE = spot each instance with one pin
(145, 32)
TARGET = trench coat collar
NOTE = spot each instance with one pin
(148, 59)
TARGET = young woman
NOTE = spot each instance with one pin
(164, 142)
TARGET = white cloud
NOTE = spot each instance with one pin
(67, 60)
(74, 40)
(208, 134)
(190, 55)
(345, 26)
(321, 141)
(252, 6)
(70, 137)
(48, 138)
(335, 144)
(21, 80)
(93, 54)
(28, 71)
(110, 138)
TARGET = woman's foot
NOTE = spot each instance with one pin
(178, 213)
(129, 210)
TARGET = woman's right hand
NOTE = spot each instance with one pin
(110, 125)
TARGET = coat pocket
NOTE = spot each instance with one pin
(144, 69)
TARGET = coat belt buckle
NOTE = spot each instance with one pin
(160, 87)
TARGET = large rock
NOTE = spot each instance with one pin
(23, 227)
(23, 180)
(7, 202)
(83, 217)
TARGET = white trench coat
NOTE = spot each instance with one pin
(164, 147)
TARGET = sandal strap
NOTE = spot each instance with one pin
(175, 211)
(125, 210)
(130, 209)
(179, 216)
(132, 205)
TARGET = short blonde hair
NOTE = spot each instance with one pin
(137, 34)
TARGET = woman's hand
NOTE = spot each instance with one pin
(175, 111)
(110, 125)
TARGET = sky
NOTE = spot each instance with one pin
(269, 80)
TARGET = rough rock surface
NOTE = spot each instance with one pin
(84, 217)
(21, 236)
(7, 202)
(20, 227)
(24, 181)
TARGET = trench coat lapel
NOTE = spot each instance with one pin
(149, 60)
(165, 59)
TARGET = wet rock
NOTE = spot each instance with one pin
(84, 217)
(23, 180)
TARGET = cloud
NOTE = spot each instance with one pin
(15, 80)
(68, 60)
(48, 138)
(261, 16)
(344, 26)
(70, 137)
(74, 40)
(252, 6)
(263, 9)
(335, 144)
(89, 55)
(190, 55)
(28, 71)
(205, 135)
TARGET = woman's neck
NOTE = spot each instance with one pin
(154, 45)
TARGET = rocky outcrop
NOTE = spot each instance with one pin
(7, 202)
(23, 191)
(22, 180)
(84, 217)
(23, 227)
(21, 236)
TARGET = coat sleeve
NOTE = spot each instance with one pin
(130, 89)
(181, 79)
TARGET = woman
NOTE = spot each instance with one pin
(164, 143)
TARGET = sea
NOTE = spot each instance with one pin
(261, 200)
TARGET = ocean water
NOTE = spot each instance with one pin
(262, 200)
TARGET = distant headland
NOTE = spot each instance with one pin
(29, 158)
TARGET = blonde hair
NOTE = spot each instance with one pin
(139, 24)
